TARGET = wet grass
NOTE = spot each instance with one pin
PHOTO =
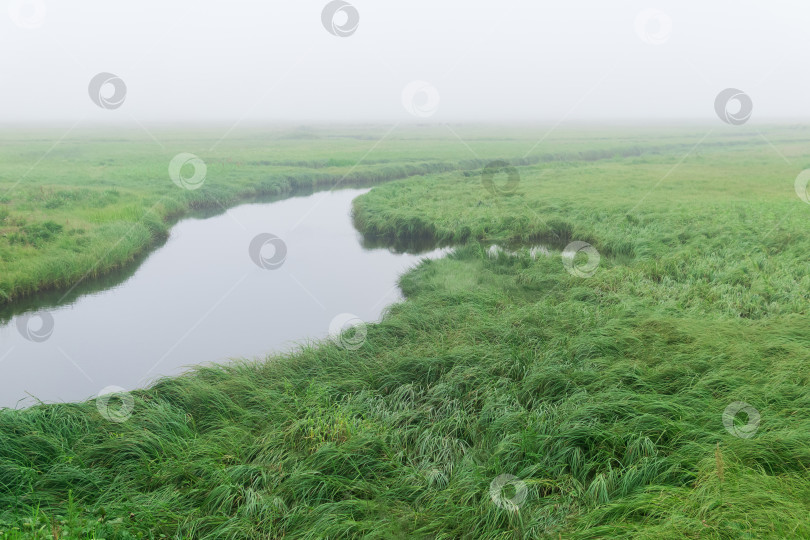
(603, 395)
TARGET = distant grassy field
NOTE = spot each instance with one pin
(77, 204)
(85, 205)
(600, 390)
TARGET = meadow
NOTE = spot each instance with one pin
(597, 394)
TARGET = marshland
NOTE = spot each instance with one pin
(601, 391)
(433, 270)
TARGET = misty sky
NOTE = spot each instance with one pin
(184, 60)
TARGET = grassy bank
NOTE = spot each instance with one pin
(77, 204)
(90, 205)
(604, 396)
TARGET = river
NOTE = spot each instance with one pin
(202, 297)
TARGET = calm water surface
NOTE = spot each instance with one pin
(201, 299)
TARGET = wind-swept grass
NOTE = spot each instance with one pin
(603, 395)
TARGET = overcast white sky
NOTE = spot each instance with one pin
(274, 60)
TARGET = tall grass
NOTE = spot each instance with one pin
(603, 395)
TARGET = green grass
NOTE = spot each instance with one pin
(604, 395)
(90, 207)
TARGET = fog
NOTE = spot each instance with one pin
(414, 61)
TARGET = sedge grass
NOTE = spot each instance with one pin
(604, 395)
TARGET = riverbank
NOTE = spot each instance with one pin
(118, 202)
(97, 201)
(201, 298)
(597, 386)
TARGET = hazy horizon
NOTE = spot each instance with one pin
(416, 62)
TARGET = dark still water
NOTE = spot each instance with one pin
(201, 298)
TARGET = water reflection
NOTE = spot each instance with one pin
(200, 298)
